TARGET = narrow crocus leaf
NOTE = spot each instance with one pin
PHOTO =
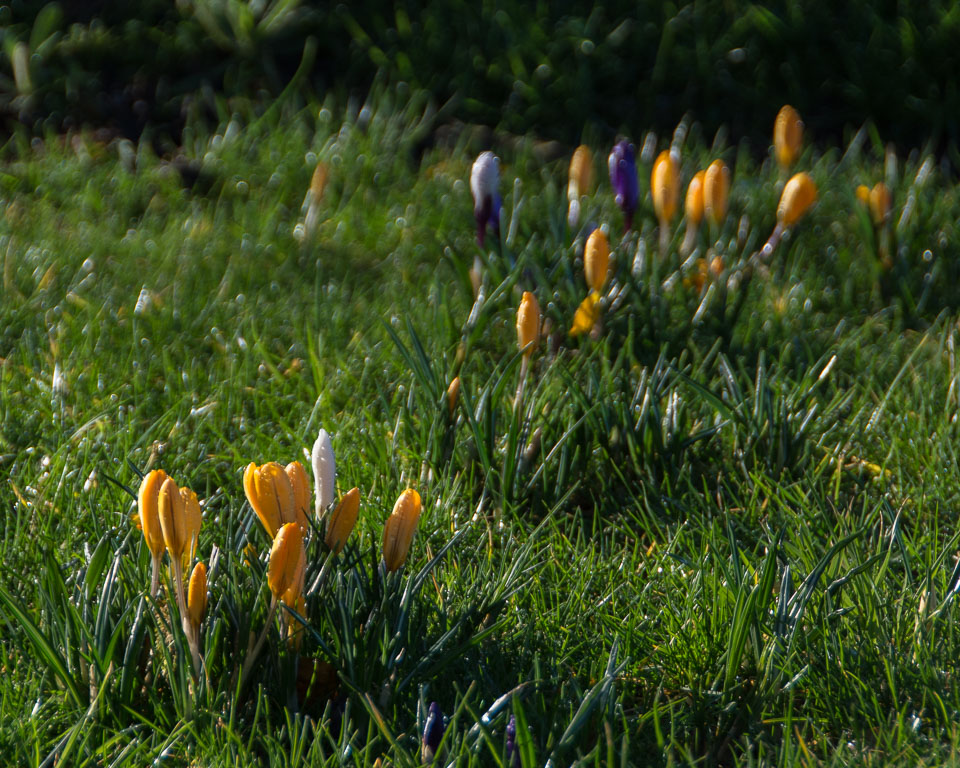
(324, 472)
(622, 165)
(485, 187)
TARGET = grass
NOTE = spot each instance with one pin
(718, 531)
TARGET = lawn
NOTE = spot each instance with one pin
(719, 527)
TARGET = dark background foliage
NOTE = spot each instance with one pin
(556, 68)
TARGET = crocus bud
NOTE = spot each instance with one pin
(665, 187)
(148, 505)
(623, 178)
(453, 395)
(485, 186)
(513, 754)
(787, 136)
(863, 194)
(586, 316)
(173, 519)
(300, 483)
(693, 203)
(528, 323)
(399, 529)
(581, 179)
(324, 472)
(318, 183)
(193, 519)
(342, 521)
(270, 494)
(798, 195)
(716, 189)
(596, 260)
(432, 733)
(287, 560)
(197, 595)
(879, 199)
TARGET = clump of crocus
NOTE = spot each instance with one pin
(343, 520)
(799, 194)
(324, 472)
(787, 136)
(432, 734)
(580, 181)
(623, 178)
(693, 210)
(399, 529)
(272, 496)
(485, 186)
(665, 190)
(716, 191)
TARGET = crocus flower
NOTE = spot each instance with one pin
(453, 395)
(193, 518)
(863, 194)
(485, 186)
(324, 471)
(596, 260)
(623, 178)
(716, 190)
(581, 179)
(342, 521)
(693, 210)
(300, 483)
(528, 324)
(173, 519)
(148, 501)
(271, 495)
(432, 733)
(287, 564)
(587, 315)
(513, 754)
(399, 529)
(879, 200)
(197, 595)
(665, 190)
(787, 136)
(798, 195)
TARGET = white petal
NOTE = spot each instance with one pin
(485, 177)
(324, 471)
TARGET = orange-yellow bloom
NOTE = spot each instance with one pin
(798, 195)
(270, 493)
(399, 529)
(287, 563)
(586, 316)
(528, 323)
(863, 194)
(693, 203)
(148, 504)
(173, 519)
(665, 187)
(300, 483)
(879, 203)
(197, 594)
(716, 189)
(193, 518)
(581, 172)
(342, 521)
(787, 136)
(596, 259)
(453, 395)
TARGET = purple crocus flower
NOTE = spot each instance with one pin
(432, 733)
(513, 754)
(623, 177)
(485, 186)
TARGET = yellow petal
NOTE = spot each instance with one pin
(285, 557)
(173, 520)
(300, 483)
(716, 189)
(586, 316)
(342, 521)
(879, 203)
(787, 135)
(596, 259)
(193, 518)
(798, 195)
(148, 505)
(453, 395)
(693, 203)
(197, 594)
(581, 172)
(399, 529)
(528, 323)
(665, 187)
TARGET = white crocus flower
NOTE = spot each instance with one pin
(324, 471)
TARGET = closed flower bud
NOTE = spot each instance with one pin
(513, 754)
(193, 519)
(586, 316)
(623, 178)
(399, 529)
(173, 519)
(432, 733)
(798, 195)
(693, 204)
(342, 521)
(287, 560)
(148, 505)
(596, 260)
(879, 203)
(787, 136)
(581, 172)
(528, 323)
(270, 493)
(318, 183)
(863, 194)
(453, 395)
(300, 483)
(324, 472)
(665, 187)
(485, 187)
(197, 594)
(716, 189)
